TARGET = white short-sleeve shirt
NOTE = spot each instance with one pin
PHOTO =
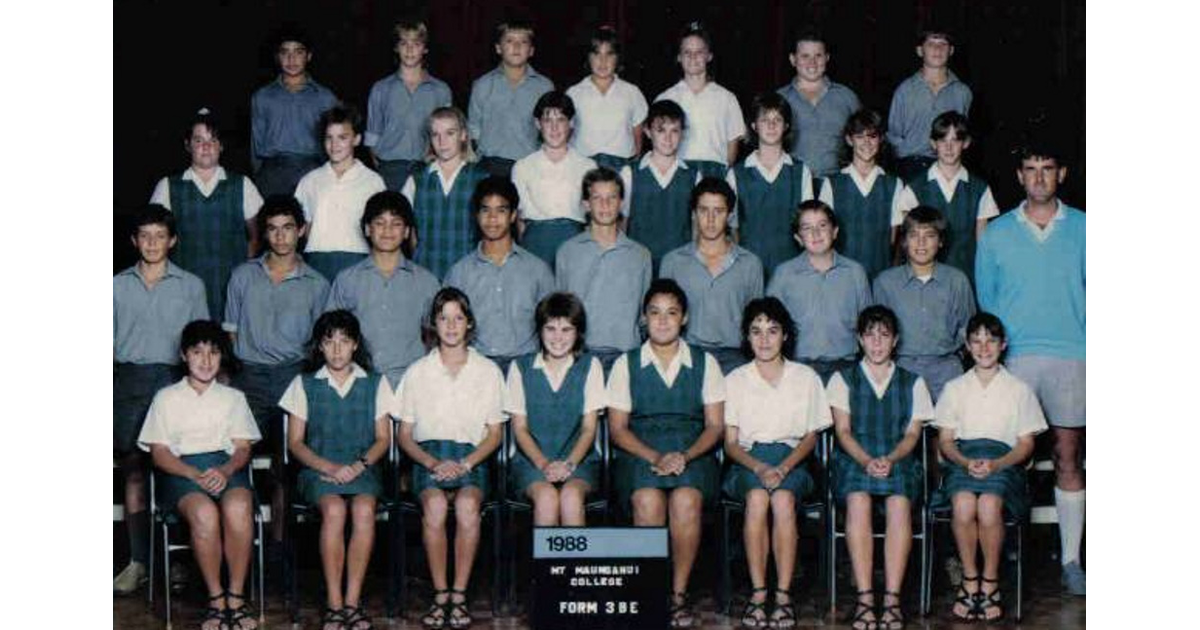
(714, 119)
(251, 199)
(839, 393)
(766, 413)
(619, 397)
(593, 386)
(908, 198)
(1003, 410)
(549, 189)
(445, 406)
(295, 399)
(604, 122)
(189, 423)
(334, 206)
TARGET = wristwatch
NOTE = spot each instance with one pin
(363, 460)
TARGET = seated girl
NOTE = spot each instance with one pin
(199, 433)
(553, 397)
(879, 408)
(666, 402)
(774, 411)
(987, 419)
(338, 430)
(450, 411)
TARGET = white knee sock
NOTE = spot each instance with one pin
(1070, 505)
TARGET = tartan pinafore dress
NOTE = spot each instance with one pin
(878, 424)
(555, 420)
(340, 430)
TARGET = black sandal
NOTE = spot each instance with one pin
(681, 613)
(458, 614)
(966, 599)
(784, 613)
(857, 621)
(988, 601)
(356, 615)
(335, 617)
(896, 620)
(435, 617)
(220, 614)
(755, 613)
(236, 615)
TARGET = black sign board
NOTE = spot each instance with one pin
(599, 578)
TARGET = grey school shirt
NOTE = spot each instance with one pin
(273, 321)
(147, 321)
(818, 128)
(824, 304)
(503, 298)
(715, 302)
(914, 106)
(611, 282)
(501, 115)
(933, 314)
(397, 119)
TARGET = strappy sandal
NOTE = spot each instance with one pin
(755, 613)
(355, 616)
(212, 613)
(435, 617)
(966, 599)
(458, 614)
(236, 616)
(681, 613)
(334, 618)
(858, 620)
(891, 617)
(783, 615)
(988, 602)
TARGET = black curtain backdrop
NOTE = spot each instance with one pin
(1024, 59)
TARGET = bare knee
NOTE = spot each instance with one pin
(990, 510)
(571, 498)
(648, 506)
(964, 508)
(333, 509)
(899, 509)
(237, 509)
(685, 504)
(362, 511)
(544, 495)
(466, 507)
(434, 508)
(204, 519)
(757, 505)
(783, 502)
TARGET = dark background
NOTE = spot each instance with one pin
(1023, 59)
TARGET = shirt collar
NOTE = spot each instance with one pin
(647, 356)
(309, 84)
(910, 276)
(622, 239)
(1059, 213)
(539, 362)
(859, 179)
(866, 370)
(190, 175)
(645, 162)
(804, 260)
(529, 72)
(933, 174)
(302, 269)
(516, 250)
(355, 372)
(753, 162)
(405, 263)
(1001, 374)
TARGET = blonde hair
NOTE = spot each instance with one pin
(450, 112)
(411, 26)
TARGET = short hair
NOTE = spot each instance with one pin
(599, 175)
(292, 33)
(390, 201)
(443, 297)
(498, 186)
(554, 99)
(329, 323)
(340, 114)
(809, 34)
(153, 214)
(935, 31)
(504, 27)
(988, 322)
(665, 286)
(864, 120)
(207, 331)
(665, 109)
(565, 306)
(696, 28)
(946, 121)
(774, 310)
(877, 315)
(450, 112)
(814, 205)
(410, 26)
(924, 216)
(274, 206)
(1041, 141)
(203, 116)
(605, 34)
(770, 102)
(712, 186)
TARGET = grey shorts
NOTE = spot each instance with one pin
(1058, 384)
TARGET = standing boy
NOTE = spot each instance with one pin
(388, 293)
(399, 106)
(285, 143)
(503, 280)
(1031, 272)
(152, 302)
(934, 89)
(501, 107)
(606, 269)
(719, 276)
(820, 107)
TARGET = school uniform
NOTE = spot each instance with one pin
(962, 200)
(818, 127)
(199, 428)
(714, 119)
(210, 219)
(334, 207)
(666, 411)
(766, 202)
(987, 420)
(554, 406)
(771, 421)
(283, 142)
(880, 414)
(445, 221)
(500, 117)
(657, 209)
(339, 426)
(551, 200)
(864, 207)
(915, 105)
(450, 413)
(397, 124)
(604, 122)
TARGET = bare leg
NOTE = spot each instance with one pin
(684, 507)
(434, 509)
(858, 539)
(466, 540)
(991, 539)
(237, 524)
(545, 503)
(966, 539)
(572, 501)
(204, 521)
(649, 507)
(785, 537)
(333, 549)
(898, 541)
(756, 537)
(362, 540)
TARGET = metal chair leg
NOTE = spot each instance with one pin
(167, 571)
(725, 577)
